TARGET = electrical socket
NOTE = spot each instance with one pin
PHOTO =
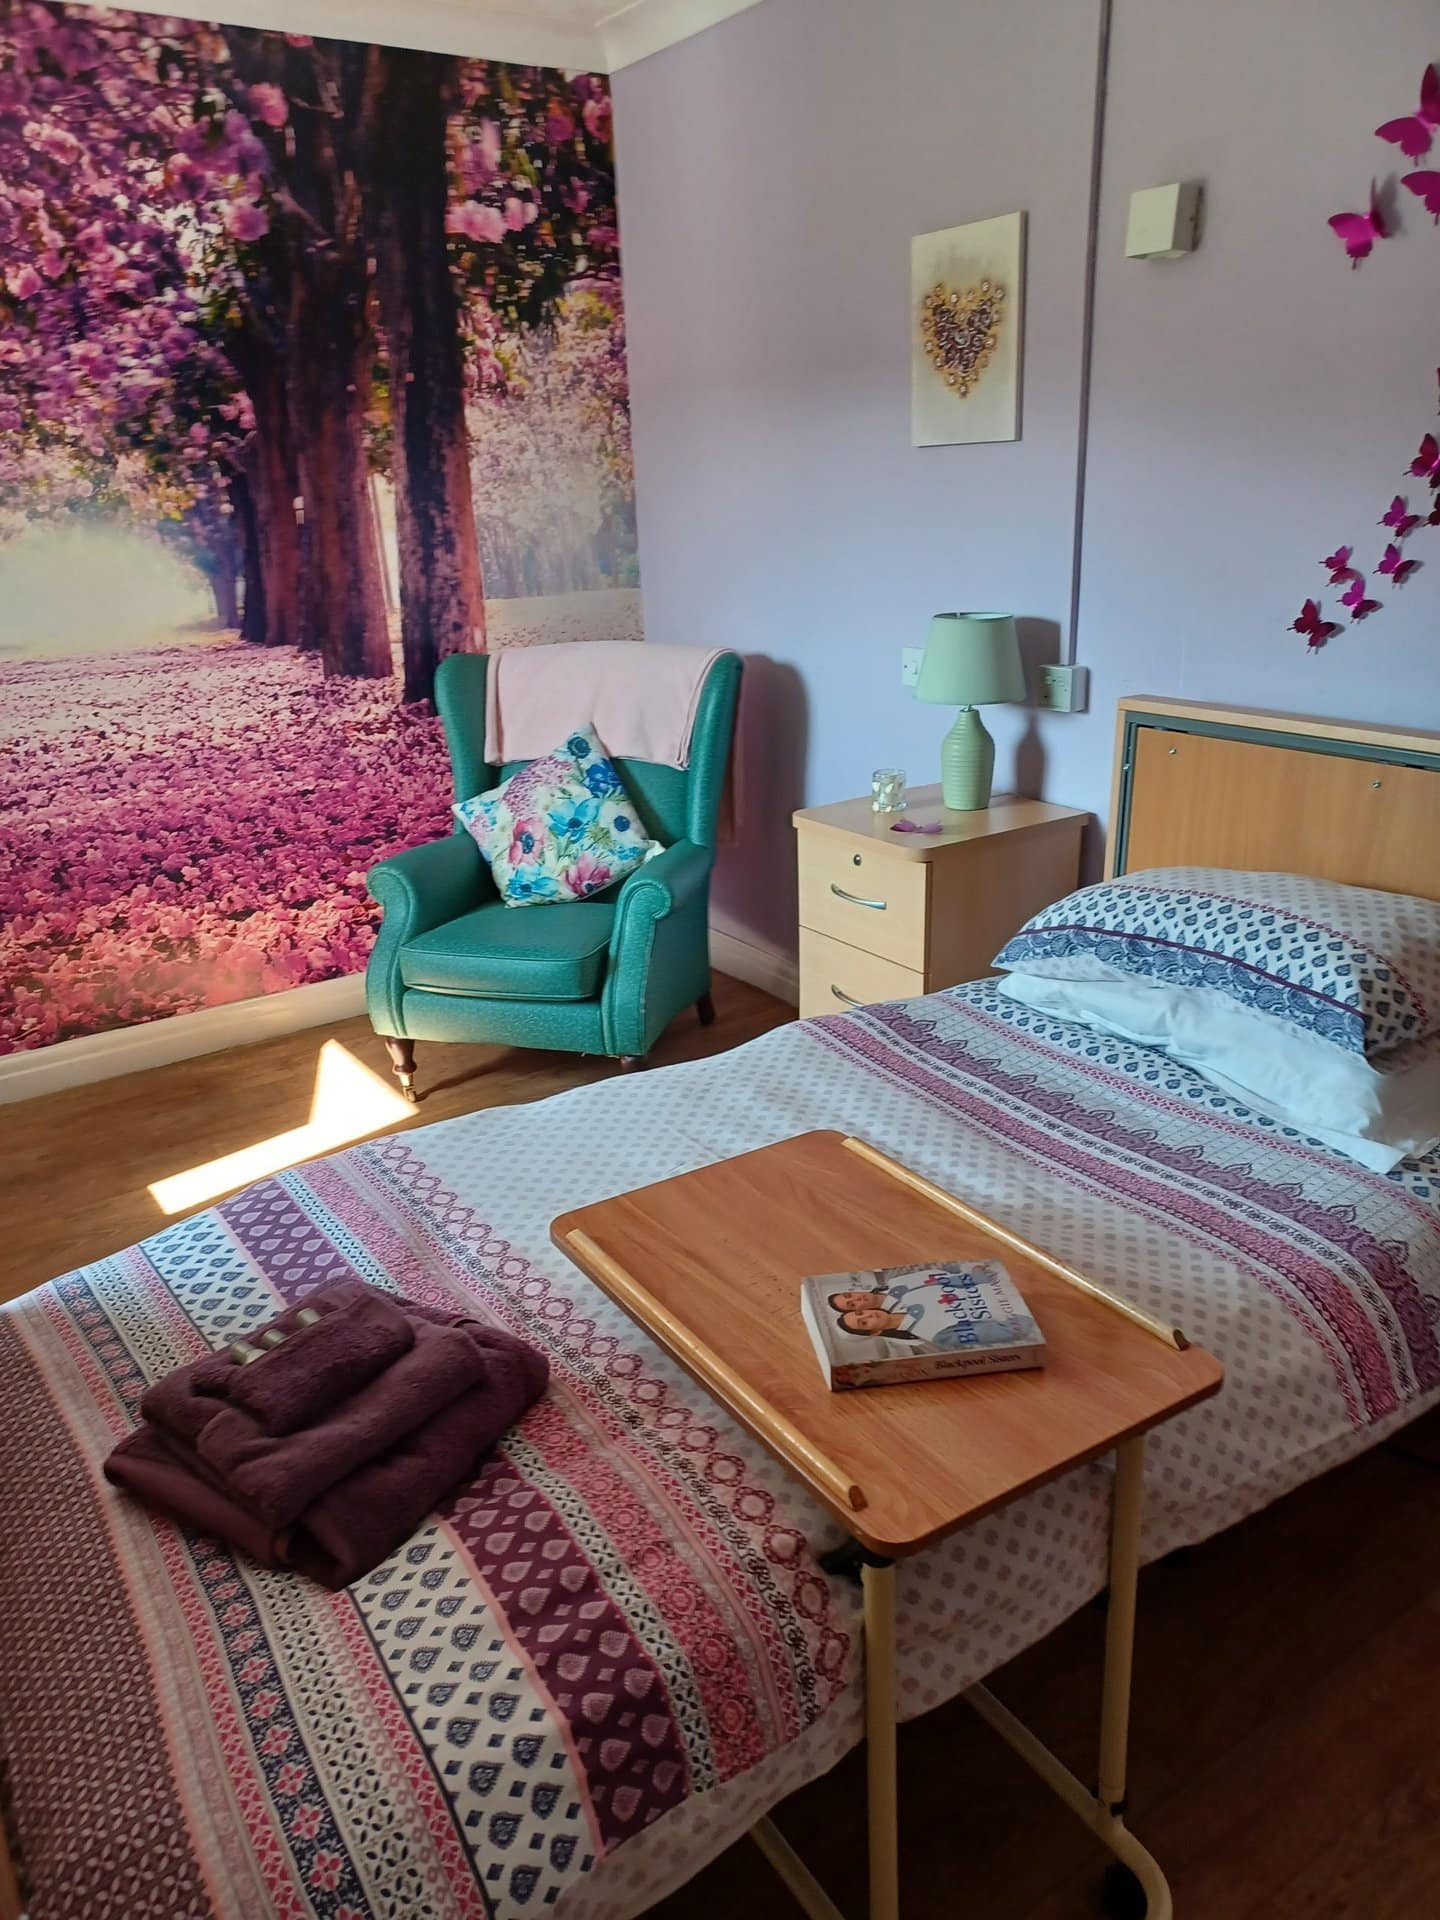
(1062, 689)
(910, 658)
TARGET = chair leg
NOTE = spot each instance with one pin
(402, 1065)
(705, 1007)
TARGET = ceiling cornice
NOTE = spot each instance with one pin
(618, 32)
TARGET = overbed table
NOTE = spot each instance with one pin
(710, 1264)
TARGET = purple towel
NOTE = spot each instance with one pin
(328, 1451)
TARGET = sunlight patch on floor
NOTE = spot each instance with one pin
(349, 1103)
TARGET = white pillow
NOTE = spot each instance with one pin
(1324, 1091)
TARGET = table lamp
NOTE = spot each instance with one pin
(971, 660)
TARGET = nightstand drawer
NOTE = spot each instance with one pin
(864, 899)
(834, 976)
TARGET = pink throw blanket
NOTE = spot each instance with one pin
(329, 1450)
(639, 696)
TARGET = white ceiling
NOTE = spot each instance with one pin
(595, 35)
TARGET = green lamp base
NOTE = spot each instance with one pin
(967, 763)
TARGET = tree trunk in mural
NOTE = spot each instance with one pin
(406, 105)
(270, 486)
(329, 391)
(252, 612)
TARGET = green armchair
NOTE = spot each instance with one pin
(605, 975)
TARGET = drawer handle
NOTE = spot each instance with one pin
(848, 998)
(855, 900)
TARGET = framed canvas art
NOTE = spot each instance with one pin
(967, 287)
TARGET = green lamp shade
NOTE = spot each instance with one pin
(971, 660)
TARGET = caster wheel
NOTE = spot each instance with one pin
(1121, 1895)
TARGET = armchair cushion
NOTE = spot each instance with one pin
(560, 829)
(557, 955)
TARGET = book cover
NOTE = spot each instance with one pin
(886, 1325)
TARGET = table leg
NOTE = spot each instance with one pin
(1128, 1500)
(878, 1580)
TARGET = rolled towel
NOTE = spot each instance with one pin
(317, 1366)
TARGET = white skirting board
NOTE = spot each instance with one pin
(156, 1043)
(765, 967)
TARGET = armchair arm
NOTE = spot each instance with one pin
(657, 888)
(672, 888)
(417, 890)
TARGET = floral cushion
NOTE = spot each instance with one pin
(1351, 965)
(561, 828)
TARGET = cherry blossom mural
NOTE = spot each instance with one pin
(312, 371)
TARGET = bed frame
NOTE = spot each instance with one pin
(1203, 786)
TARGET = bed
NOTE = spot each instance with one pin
(616, 1649)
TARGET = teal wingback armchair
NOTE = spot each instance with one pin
(605, 975)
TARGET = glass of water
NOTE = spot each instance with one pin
(887, 790)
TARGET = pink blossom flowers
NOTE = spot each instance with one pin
(246, 220)
(268, 104)
(476, 222)
(193, 825)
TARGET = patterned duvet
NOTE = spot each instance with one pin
(616, 1647)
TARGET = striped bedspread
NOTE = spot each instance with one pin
(616, 1647)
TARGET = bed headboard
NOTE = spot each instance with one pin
(1202, 786)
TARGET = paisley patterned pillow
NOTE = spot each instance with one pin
(561, 828)
(1353, 966)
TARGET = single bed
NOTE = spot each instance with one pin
(616, 1648)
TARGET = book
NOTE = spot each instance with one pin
(886, 1325)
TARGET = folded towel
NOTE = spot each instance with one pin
(640, 696)
(328, 1471)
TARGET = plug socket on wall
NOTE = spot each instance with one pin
(1062, 689)
(910, 658)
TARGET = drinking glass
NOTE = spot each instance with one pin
(887, 790)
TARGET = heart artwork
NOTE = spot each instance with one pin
(959, 331)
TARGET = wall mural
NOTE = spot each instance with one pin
(312, 371)
(1413, 134)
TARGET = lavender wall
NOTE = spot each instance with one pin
(1251, 405)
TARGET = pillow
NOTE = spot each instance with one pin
(561, 828)
(1354, 967)
(1325, 1092)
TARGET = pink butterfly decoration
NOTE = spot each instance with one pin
(1426, 464)
(1425, 186)
(1398, 519)
(1413, 132)
(1339, 565)
(1354, 598)
(1399, 570)
(1309, 623)
(1360, 231)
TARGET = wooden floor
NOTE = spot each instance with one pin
(1285, 1755)
(76, 1167)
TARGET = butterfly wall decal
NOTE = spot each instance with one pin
(1426, 187)
(1354, 599)
(1426, 464)
(1413, 132)
(1398, 569)
(1339, 565)
(1360, 231)
(1316, 631)
(1398, 517)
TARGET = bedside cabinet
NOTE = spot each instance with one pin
(884, 915)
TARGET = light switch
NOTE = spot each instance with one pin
(1164, 221)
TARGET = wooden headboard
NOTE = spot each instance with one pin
(1201, 786)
